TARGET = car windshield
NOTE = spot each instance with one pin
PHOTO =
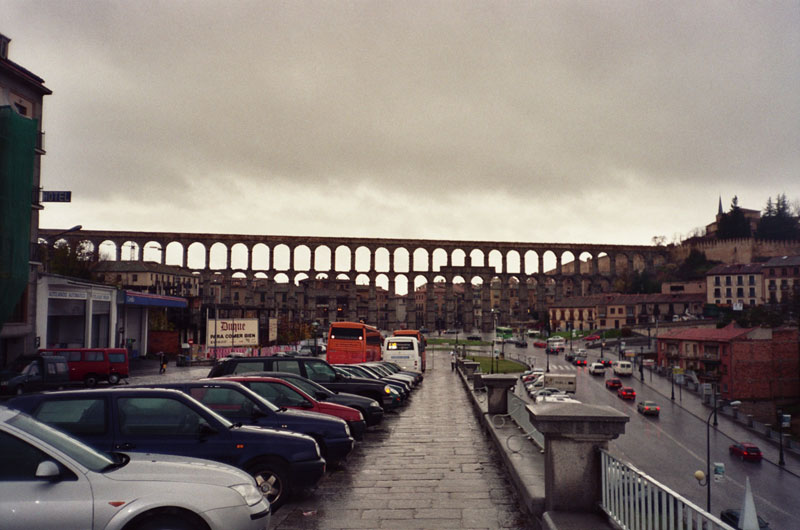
(78, 451)
(309, 387)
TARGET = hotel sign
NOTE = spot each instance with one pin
(228, 332)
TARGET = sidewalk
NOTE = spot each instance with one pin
(736, 431)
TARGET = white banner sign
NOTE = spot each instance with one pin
(223, 333)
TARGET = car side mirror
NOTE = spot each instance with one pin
(306, 405)
(48, 470)
(338, 377)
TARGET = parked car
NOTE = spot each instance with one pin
(731, 517)
(746, 451)
(369, 408)
(362, 372)
(315, 369)
(591, 338)
(240, 404)
(32, 373)
(149, 420)
(396, 368)
(626, 392)
(613, 383)
(52, 480)
(282, 393)
(648, 408)
(91, 365)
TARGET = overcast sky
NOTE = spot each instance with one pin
(610, 121)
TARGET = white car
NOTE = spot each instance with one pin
(49, 479)
(597, 369)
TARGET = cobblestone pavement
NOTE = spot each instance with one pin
(427, 466)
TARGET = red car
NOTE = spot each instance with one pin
(282, 393)
(626, 392)
(591, 338)
(746, 451)
(540, 344)
(613, 383)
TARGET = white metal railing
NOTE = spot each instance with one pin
(636, 501)
(518, 412)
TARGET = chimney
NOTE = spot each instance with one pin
(4, 46)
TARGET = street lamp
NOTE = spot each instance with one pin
(314, 328)
(672, 380)
(781, 461)
(699, 474)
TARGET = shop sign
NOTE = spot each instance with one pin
(67, 295)
(232, 332)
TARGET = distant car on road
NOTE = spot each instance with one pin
(592, 338)
(474, 337)
(606, 362)
(540, 344)
(648, 408)
(626, 392)
(746, 451)
(613, 383)
(597, 369)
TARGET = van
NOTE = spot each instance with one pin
(597, 369)
(622, 368)
(403, 351)
(32, 373)
(562, 382)
(90, 365)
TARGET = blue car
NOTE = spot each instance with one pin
(239, 404)
(165, 421)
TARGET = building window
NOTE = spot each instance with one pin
(752, 280)
(716, 293)
(752, 302)
(135, 277)
(727, 280)
(739, 280)
(727, 291)
(752, 291)
(716, 280)
(739, 291)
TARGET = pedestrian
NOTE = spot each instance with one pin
(162, 363)
(452, 360)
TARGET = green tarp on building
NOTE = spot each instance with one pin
(17, 154)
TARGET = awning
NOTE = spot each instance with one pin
(153, 300)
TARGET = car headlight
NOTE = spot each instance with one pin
(374, 405)
(387, 389)
(347, 429)
(251, 494)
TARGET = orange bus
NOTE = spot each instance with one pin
(353, 342)
(417, 334)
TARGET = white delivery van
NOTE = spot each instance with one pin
(404, 351)
(563, 382)
(597, 369)
(622, 368)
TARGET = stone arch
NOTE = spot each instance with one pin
(513, 262)
(382, 258)
(439, 259)
(299, 278)
(301, 258)
(363, 257)
(218, 256)
(549, 261)
(260, 275)
(196, 254)
(400, 285)
(281, 278)
(496, 261)
(342, 276)
(362, 279)
(639, 263)
(476, 281)
(420, 280)
(621, 263)
(131, 248)
(585, 260)
(343, 259)
(173, 255)
(477, 258)
(239, 275)
(531, 262)
(568, 263)
(421, 260)
(382, 281)
(107, 250)
(603, 263)
(152, 251)
(401, 260)
(240, 257)
(322, 258)
(281, 257)
(261, 255)
(458, 258)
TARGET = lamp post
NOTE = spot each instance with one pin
(314, 328)
(494, 341)
(781, 461)
(672, 380)
(699, 474)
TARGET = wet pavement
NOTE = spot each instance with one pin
(429, 465)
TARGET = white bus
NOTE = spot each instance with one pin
(403, 351)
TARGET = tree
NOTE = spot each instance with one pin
(66, 260)
(778, 223)
(733, 224)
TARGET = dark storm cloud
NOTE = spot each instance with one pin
(628, 103)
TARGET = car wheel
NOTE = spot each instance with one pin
(272, 479)
(90, 381)
(166, 521)
(113, 379)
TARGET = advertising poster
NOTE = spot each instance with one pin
(232, 332)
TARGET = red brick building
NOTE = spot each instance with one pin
(758, 366)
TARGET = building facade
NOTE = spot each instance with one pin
(21, 148)
(736, 285)
(781, 279)
(758, 366)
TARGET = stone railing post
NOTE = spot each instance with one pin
(497, 386)
(572, 434)
(469, 368)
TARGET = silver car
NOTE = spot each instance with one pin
(50, 480)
